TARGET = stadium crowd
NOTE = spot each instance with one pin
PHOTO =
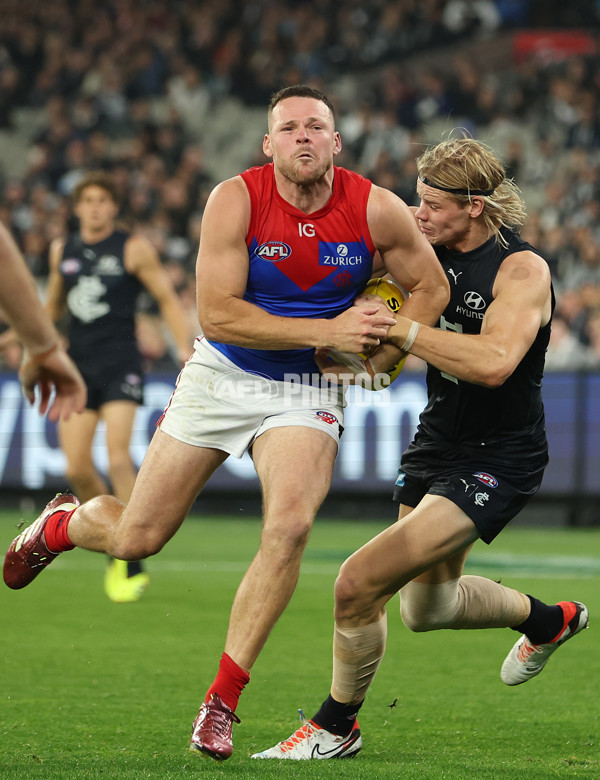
(126, 86)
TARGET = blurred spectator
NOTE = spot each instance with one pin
(465, 17)
(593, 328)
(137, 89)
(565, 352)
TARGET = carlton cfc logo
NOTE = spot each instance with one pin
(274, 251)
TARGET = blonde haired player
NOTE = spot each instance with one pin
(477, 458)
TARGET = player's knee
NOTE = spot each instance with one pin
(425, 607)
(347, 591)
(285, 541)
(133, 548)
(133, 541)
(418, 621)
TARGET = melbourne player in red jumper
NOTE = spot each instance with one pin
(283, 251)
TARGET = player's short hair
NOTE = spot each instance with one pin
(299, 90)
(464, 168)
(96, 179)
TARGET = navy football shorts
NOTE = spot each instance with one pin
(489, 493)
(124, 384)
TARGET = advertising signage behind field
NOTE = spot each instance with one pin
(378, 427)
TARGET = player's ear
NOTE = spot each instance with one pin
(476, 207)
(337, 143)
(267, 148)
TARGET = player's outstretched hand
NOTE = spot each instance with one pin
(53, 369)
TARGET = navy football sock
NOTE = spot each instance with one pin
(336, 717)
(544, 622)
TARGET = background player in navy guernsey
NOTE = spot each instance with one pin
(284, 250)
(95, 277)
(477, 458)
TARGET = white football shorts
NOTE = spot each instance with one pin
(218, 405)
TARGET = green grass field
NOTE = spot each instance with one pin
(90, 689)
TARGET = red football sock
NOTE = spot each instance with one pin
(55, 532)
(229, 683)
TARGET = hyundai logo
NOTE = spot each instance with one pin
(474, 300)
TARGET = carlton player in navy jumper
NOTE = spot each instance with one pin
(478, 455)
(284, 250)
(96, 276)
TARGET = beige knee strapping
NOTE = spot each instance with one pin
(469, 602)
(357, 653)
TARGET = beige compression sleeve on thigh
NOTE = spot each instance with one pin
(469, 602)
(357, 653)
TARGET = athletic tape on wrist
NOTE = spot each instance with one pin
(412, 335)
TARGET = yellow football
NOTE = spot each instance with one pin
(392, 295)
(386, 289)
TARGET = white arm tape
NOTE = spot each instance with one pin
(412, 335)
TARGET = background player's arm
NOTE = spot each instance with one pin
(521, 305)
(19, 299)
(55, 297)
(222, 274)
(45, 364)
(142, 260)
(55, 290)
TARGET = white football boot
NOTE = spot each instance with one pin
(526, 660)
(311, 741)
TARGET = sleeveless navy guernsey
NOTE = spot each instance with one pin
(101, 299)
(510, 417)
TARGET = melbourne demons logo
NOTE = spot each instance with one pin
(343, 279)
(274, 251)
(487, 479)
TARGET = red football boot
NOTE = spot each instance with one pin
(28, 555)
(211, 733)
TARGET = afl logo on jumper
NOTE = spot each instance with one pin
(487, 479)
(70, 265)
(274, 251)
(474, 301)
(326, 417)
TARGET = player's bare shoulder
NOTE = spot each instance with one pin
(524, 278)
(226, 217)
(388, 217)
(525, 267)
(139, 253)
(229, 198)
